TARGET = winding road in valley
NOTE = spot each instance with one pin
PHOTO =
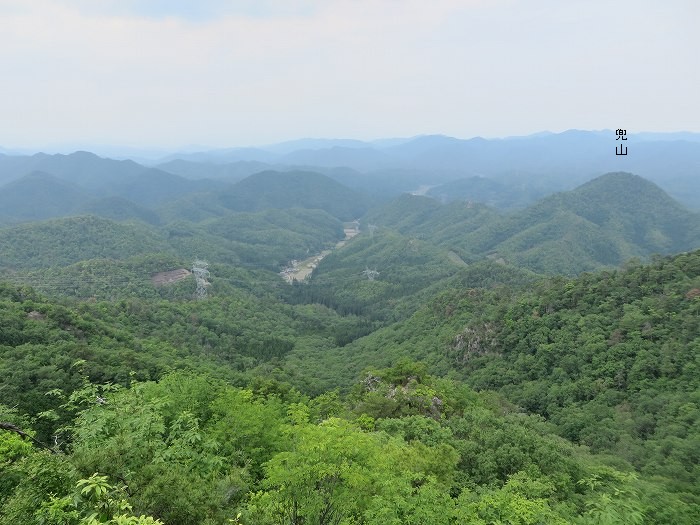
(300, 270)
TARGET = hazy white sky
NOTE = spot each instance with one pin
(230, 73)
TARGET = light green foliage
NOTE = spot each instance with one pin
(599, 224)
(437, 394)
(190, 449)
(247, 428)
(154, 437)
(615, 500)
(607, 358)
(94, 502)
(505, 506)
(335, 473)
(34, 481)
(61, 242)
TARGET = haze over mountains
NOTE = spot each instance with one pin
(519, 207)
(557, 350)
(493, 199)
(535, 163)
(519, 169)
(602, 223)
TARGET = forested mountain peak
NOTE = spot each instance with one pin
(616, 194)
(39, 195)
(304, 189)
(36, 176)
(601, 223)
(330, 407)
(624, 189)
(60, 242)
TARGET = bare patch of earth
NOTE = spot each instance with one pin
(173, 276)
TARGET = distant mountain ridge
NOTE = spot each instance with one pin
(296, 189)
(44, 186)
(119, 209)
(529, 167)
(39, 195)
(487, 191)
(601, 223)
(548, 161)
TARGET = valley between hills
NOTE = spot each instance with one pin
(249, 336)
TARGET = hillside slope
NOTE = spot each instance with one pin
(610, 358)
(488, 191)
(296, 189)
(600, 224)
(37, 196)
(118, 209)
(60, 242)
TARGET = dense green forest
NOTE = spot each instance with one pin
(265, 239)
(602, 223)
(450, 364)
(607, 361)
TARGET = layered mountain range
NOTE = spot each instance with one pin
(461, 331)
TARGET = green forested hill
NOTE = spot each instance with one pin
(61, 242)
(38, 196)
(119, 209)
(456, 386)
(410, 271)
(266, 239)
(195, 207)
(500, 195)
(611, 359)
(295, 189)
(404, 265)
(310, 228)
(427, 219)
(402, 445)
(155, 187)
(602, 223)
(108, 278)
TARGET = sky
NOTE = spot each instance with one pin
(215, 73)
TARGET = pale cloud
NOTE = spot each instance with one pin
(162, 75)
(193, 11)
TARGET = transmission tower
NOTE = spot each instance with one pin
(200, 271)
(372, 228)
(371, 274)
